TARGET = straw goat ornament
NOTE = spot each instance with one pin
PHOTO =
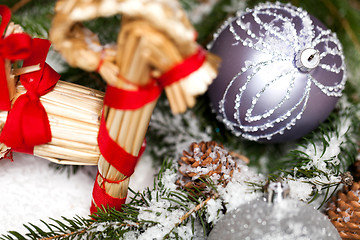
(155, 50)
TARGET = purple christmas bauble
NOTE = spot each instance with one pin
(282, 73)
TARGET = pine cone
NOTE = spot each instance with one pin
(206, 160)
(344, 211)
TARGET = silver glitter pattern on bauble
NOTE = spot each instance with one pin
(278, 45)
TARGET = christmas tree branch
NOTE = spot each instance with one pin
(169, 135)
(195, 209)
(322, 160)
(137, 217)
(60, 230)
(65, 235)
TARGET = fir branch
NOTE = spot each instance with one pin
(195, 209)
(321, 160)
(64, 229)
(66, 235)
(136, 217)
(168, 134)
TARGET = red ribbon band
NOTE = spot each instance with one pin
(122, 99)
(184, 69)
(27, 124)
(128, 100)
(14, 47)
(102, 199)
(123, 161)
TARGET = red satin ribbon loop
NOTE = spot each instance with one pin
(27, 124)
(184, 69)
(14, 47)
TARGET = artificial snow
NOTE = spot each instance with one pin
(321, 158)
(317, 154)
(166, 213)
(143, 176)
(158, 212)
(300, 190)
(238, 191)
(169, 179)
(213, 210)
(32, 191)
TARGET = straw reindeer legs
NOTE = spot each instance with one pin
(127, 127)
(155, 50)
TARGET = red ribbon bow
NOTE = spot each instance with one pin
(14, 47)
(27, 124)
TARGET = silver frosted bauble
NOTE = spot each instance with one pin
(282, 73)
(284, 220)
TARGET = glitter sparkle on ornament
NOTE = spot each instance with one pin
(282, 73)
